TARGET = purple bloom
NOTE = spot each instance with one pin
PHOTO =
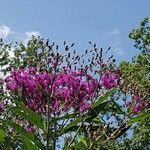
(84, 106)
(69, 89)
(55, 107)
(137, 98)
(1, 106)
(109, 80)
(12, 86)
(30, 128)
(139, 106)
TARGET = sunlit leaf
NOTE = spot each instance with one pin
(30, 115)
(72, 124)
(28, 145)
(102, 99)
(139, 118)
(2, 135)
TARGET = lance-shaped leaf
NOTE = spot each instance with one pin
(29, 115)
(117, 108)
(100, 105)
(20, 130)
(103, 99)
(71, 125)
(66, 116)
(79, 145)
(26, 136)
(139, 117)
(28, 145)
(83, 139)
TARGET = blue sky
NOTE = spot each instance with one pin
(106, 22)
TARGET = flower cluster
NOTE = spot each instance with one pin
(109, 80)
(139, 105)
(66, 89)
(30, 128)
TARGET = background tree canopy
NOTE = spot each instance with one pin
(137, 77)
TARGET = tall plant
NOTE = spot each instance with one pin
(47, 94)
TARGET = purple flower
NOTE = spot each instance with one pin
(84, 106)
(1, 106)
(11, 86)
(55, 107)
(70, 89)
(138, 107)
(109, 80)
(30, 128)
(137, 98)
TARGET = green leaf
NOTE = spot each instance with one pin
(28, 145)
(2, 135)
(30, 115)
(97, 120)
(117, 108)
(138, 118)
(101, 105)
(83, 140)
(67, 148)
(93, 113)
(67, 116)
(79, 146)
(20, 130)
(102, 99)
(72, 124)
(75, 128)
(25, 135)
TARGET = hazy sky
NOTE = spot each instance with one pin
(106, 22)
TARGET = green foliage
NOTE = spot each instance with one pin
(141, 36)
(102, 99)
(136, 75)
(139, 117)
(28, 114)
(2, 135)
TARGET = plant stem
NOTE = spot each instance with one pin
(54, 138)
(69, 145)
(48, 125)
(54, 144)
(48, 118)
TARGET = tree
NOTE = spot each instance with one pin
(139, 73)
(136, 77)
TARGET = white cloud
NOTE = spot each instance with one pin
(115, 32)
(4, 31)
(114, 38)
(119, 51)
(32, 33)
(28, 35)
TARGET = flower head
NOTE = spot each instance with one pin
(1, 106)
(109, 80)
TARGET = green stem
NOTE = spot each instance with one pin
(48, 119)
(48, 125)
(54, 138)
